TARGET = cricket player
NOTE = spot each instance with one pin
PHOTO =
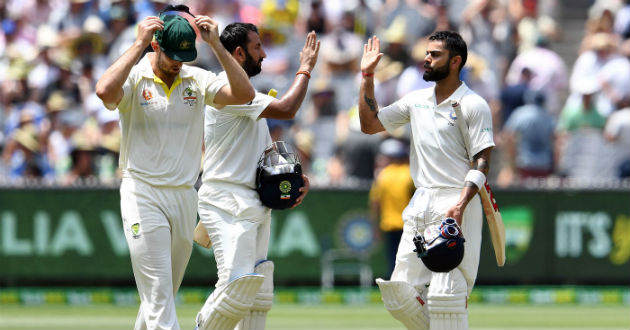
(445, 184)
(161, 103)
(229, 207)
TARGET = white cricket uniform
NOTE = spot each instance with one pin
(438, 165)
(160, 154)
(229, 207)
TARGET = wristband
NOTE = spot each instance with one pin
(367, 74)
(306, 73)
(476, 177)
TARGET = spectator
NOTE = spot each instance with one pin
(390, 193)
(513, 95)
(22, 156)
(528, 137)
(604, 65)
(579, 137)
(549, 73)
(82, 157)
(60, 142)
(617, 131)
(585, 114)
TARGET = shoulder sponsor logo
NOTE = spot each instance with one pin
(190, 96)
(486, 130)
(421, 106)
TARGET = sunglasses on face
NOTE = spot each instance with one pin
(175, 10)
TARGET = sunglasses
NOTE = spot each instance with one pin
(175, 10)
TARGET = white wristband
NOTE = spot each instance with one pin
(477, 177)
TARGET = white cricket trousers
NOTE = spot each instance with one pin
(238, 243)
(427, 207)
(158, 224)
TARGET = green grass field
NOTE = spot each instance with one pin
(288, 316)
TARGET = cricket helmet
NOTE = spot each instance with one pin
(279, 176)
(444, 252)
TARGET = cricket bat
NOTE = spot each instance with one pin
(201, 236)
(495, 223)
(489, 203)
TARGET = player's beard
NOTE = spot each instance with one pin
(251, 66)
(437, 74)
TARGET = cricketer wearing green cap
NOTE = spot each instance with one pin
(161, 103)
(177, 40)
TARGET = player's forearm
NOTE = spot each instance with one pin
(241, 89)
(290, 103)
(467, 194)
(368, 108)
(109, 86)
(473, 182)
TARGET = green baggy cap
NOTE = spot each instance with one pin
(177, 40)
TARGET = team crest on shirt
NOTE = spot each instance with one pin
(190, 96)
(135, 230)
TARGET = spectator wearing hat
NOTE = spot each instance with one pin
(59, 141)
(22, 155)
(340, 57)
(602, 64)
(390, 193)
(584, 115)
(580, 142)
(44, 71)
(108, 148)
(82, 159)
(318, 120)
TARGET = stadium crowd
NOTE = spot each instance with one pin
(550, 120)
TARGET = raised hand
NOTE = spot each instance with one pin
(147, 28)
(209, 30)
(371, 55)
(308, 55)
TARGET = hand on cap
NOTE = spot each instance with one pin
(209, 30)
(146, 29)
(304, 190)
(308, 55)
(371, 55)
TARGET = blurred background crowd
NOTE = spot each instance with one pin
(555, 73)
